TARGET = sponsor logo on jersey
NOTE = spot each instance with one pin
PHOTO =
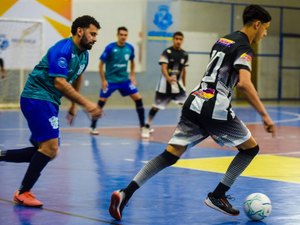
(226, 42)
(205, 94)
(246, 57)
(62, 62)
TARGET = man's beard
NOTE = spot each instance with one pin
(85, 44)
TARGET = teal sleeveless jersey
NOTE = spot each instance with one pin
(64, 59)
(116, 60)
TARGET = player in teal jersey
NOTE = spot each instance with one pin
(58, 74)
(115, 77)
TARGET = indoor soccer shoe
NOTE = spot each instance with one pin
(221, 204)
(117, 204)
(26, 199)
(94, 131)
(145, 132)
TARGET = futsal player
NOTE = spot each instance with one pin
(207, 112)
(51, 79)
(115, 77)
(171, 85)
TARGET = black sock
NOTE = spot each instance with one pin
(236, 167)
(18, 155)
(37, 164)
(130, 189)
(94, 121)
(140, 111)
(152, 113)
(220, 190)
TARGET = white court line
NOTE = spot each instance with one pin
(107, 143)
(130, 160)
(297, 115)
(85, 144)
(287, 153)
(21, 145)
(297, 118)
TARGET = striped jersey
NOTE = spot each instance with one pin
(116, 60)
(176, 60)
(212, 97)
(64, 59)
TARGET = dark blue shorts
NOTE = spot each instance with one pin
(42, 119)
(125, 88)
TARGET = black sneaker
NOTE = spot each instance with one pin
(221, 204)
(117, 204)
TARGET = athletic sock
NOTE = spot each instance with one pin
(150, 169)
(37, 164)
(94, 121)
(18, 155)
(236, 167)
(140, 111)
(152, 113)
(130, 189)
(154, 166)
(220, 190)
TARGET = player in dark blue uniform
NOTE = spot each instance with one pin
(207, 112)
(51, 79)
(116, 57)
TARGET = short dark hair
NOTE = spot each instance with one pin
(178, 33)
(255, 12)
(122, 28)
(84, 22)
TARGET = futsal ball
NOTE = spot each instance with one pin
(257, 206)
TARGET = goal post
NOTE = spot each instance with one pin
(21, 48)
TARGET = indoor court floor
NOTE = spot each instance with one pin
(76, 187)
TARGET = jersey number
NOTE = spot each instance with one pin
(213, 66)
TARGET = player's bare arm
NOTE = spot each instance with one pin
(69, 91)
(104, 83)
(184, 76)
(132, 72)
(247, 88)
(72, 110)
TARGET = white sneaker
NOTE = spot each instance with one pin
(145, 132)
(151, 130)
(93, 131)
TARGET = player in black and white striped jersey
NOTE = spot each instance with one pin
(171, 85)
(207, 112)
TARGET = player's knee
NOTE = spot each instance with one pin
(50, 151)
(251, 151)
(170, 158)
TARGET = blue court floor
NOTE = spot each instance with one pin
(76, 187)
